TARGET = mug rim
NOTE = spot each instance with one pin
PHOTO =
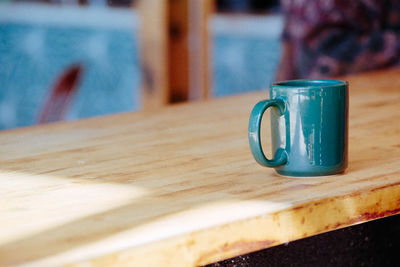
(310, 83)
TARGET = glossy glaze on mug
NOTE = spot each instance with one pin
(313, 127)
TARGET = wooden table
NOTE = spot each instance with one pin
(179, 187)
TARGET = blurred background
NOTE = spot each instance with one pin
(71, 59)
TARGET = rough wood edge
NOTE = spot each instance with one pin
(253, 234)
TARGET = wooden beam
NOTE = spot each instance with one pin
(174, 51)
(153, 53)
(200, 40)
(178, 50)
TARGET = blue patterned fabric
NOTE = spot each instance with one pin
(33, 56)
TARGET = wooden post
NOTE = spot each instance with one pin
(153, 52)
(200, 67)
(174, 50)
(178, 50)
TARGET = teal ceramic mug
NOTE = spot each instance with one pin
(309, 127)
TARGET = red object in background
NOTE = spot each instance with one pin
(61, 95)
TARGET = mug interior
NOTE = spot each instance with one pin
(310, 83)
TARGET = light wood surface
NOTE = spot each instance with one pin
(179, 187)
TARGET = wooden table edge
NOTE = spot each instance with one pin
(254, 233)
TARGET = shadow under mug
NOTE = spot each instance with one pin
(309, 127)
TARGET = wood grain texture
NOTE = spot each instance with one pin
(179, 187)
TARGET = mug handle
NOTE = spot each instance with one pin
(280, 157)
